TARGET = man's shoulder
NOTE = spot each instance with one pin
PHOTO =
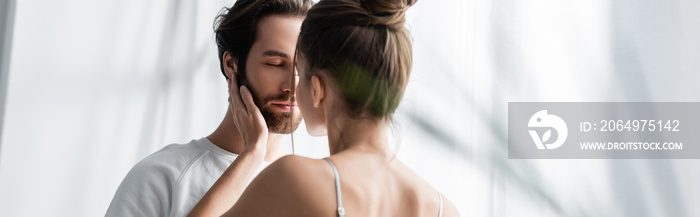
(146, 190)
(171, 157)
(177, 151)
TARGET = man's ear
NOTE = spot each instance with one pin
(230, 65)
(317, 91)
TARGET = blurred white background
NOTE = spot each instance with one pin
(90, 87)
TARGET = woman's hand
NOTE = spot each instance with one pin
(247, 117)
(224, 193)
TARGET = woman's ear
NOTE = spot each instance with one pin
(317, 91)
(230, 65)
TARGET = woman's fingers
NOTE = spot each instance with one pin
(257, 129)
(248, 100)
(236, 103)
(253, 110)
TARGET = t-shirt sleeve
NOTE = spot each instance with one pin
(145, 191)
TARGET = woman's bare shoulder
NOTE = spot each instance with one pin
(449, 209)
(423, 190)
(291, 165)
(297, 171)
(290, 186)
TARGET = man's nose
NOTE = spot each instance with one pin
(287, 88)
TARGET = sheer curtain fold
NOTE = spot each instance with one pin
(7, 17)
(96, 86)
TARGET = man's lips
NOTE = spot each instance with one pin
(284, 106)
(285, 103)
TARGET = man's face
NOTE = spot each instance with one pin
(269, 71)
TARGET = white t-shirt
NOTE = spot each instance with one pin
(172, 180)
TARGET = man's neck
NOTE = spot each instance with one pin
(226, 136)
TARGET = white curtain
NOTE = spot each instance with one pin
(96, 85)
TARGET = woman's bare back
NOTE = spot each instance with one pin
(370, 186)
(375, 186)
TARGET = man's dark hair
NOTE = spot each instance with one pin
(236, 27)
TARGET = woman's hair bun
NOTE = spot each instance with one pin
(364, 48)
(390, 13)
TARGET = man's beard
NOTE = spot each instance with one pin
(284, 123)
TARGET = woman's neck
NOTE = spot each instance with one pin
(358, 135)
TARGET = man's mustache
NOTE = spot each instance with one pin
(278, 97)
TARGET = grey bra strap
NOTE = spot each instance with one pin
(440, 196)
(341, 210)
